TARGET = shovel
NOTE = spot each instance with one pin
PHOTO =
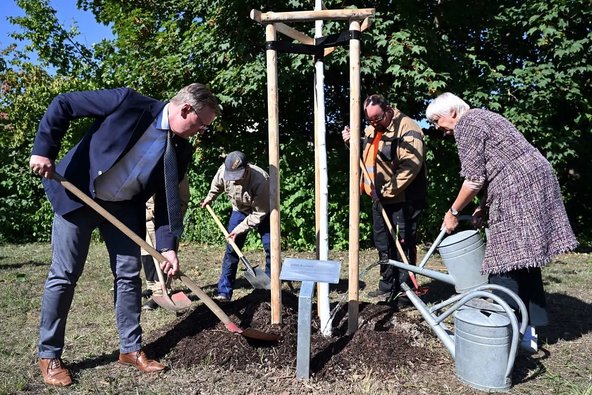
(167, 302)
(178, 301)
(254, 275)
(392, 232)
(222, 316)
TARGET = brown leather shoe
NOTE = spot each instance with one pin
(54, 372)
(141, 361)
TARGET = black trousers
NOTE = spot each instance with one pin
(404, 217)
(528, 285)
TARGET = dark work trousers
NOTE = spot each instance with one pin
(528, 285)
(230, 262)
(403, 216)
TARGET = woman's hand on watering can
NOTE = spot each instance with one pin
(450, 222)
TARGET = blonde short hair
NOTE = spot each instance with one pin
(444, 105)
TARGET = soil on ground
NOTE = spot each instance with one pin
(393, 351)
(385, 341)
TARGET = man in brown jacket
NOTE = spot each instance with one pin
(394, 157)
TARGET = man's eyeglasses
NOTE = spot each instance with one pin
(378, 118)
(203, 126)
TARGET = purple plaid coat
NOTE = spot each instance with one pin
(527, 220)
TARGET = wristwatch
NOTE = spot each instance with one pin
(453, 212)
(164, 250)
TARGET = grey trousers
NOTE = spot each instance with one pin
(70, 239)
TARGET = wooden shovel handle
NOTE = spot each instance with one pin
(222, 316)
(142, 243)
(224, 231)
(117, 223)
(389, 225)
(241, 256)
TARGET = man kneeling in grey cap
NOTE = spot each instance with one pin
(247, 187)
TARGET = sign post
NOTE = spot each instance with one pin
(308, 271)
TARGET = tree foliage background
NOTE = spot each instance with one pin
(528, 60)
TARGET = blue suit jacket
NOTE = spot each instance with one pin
(121, 117)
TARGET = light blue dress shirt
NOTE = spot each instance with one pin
(129, 175)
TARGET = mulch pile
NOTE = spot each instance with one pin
(387, 339)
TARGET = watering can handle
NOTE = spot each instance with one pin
(438, 240)
(435, 244)
(484, 294)
(515, 333)
(519, 302)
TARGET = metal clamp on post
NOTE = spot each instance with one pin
(355, 35)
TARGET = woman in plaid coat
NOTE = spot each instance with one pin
(527, 221)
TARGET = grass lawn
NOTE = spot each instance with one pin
(563, 366)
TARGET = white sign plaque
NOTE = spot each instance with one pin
(310, 270)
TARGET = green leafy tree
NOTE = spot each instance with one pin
(27, 89)
(527, 60)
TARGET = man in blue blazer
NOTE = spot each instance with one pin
(119, 163)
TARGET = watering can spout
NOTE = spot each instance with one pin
(436, 275)
(441, 330)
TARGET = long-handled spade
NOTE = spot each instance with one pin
(178, 301)
(165, 299)
(392, 232)
(254, 275)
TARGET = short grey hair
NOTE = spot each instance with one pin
(444, 105)
(197, 96)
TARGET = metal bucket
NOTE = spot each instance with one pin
(482, 349)
(463, 253)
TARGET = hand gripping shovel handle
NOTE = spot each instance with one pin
(164, 301)
(242, 258)
(231, 326)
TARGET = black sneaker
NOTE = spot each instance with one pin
(147, 293)
(221, 298)
(150, 304)
(378, 292)
(404, 301)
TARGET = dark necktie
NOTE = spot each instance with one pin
(171, 185)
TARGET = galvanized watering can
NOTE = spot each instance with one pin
(486, 334)
(485, 338)
(462, 254)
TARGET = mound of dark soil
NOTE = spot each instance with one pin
(386, 340)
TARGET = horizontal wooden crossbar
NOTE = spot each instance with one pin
(304, 16)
